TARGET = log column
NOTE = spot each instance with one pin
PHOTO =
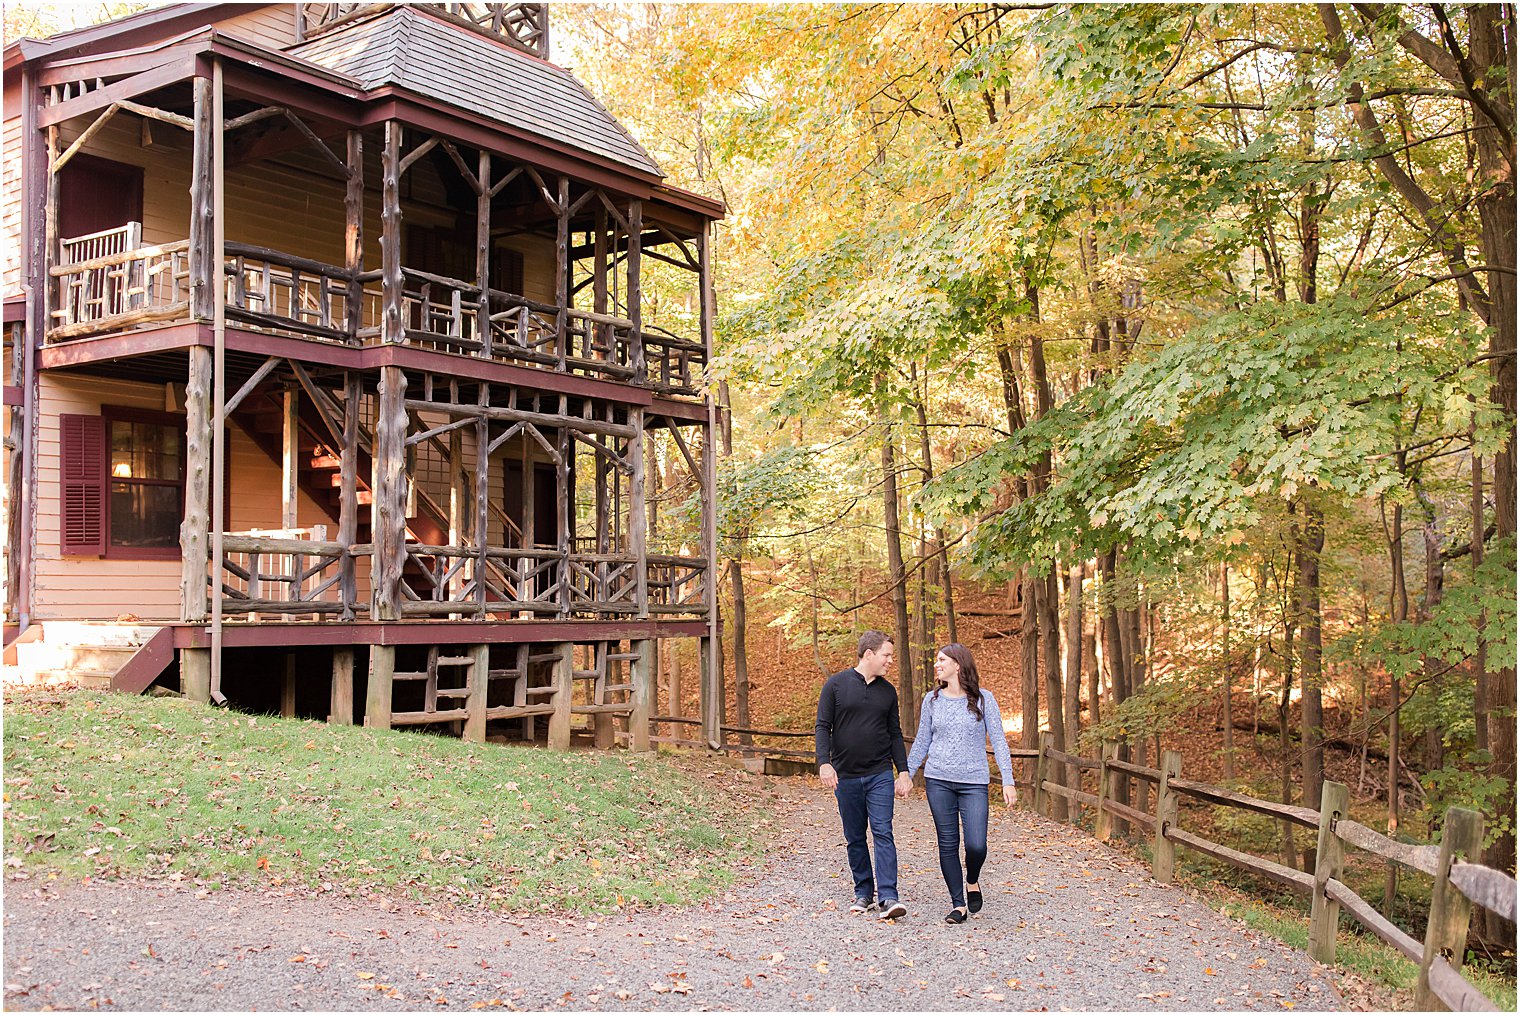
(388, 510)
(195, 529)
(377, 699)
(353, 235)
(635, 291)
(480, 683)
(564, 686)
(341, 709)
(643, 680)
(194, 532)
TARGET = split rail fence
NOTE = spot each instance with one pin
(1458, 884)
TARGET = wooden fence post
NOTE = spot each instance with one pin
(1103, 824)
(1329, 862)
(564, 686)
(1164, 852)
(1041, 801)
(1446, 933)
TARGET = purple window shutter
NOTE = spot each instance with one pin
(83, 502)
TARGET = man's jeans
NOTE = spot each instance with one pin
(957, 805)
(862, 798)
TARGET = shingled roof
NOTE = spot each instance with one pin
(469, 71)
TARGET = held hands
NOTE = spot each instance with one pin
(903, 784)
(828, 776)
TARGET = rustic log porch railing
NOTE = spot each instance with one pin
(287, 574)
(289, 294)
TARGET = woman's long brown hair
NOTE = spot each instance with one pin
(970, 682)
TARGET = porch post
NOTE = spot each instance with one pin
(353, 235)
(483, 252)
(635, 291)
(194, 532)
(377, 698)
(388, 510)
(480, 685)
(341, 707)
(638, 514)
(391, 324)
(202, 204)
(348, 498)
(643, 693)
(564, 683)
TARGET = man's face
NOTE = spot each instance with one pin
(877, 663)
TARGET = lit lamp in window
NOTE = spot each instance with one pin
(122, 470)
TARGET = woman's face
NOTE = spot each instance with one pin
(946, 669)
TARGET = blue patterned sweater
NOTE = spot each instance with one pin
(952, 743)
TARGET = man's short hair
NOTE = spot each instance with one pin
(871, 641)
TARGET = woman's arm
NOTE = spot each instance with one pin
(992, 719)
(925, 735)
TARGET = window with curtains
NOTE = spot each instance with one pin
(123, 476)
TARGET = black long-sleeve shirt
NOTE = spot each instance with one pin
(858, 729)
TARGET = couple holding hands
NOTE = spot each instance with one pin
(859, 742)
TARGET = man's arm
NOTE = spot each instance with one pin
(899, 752)
(823, 736)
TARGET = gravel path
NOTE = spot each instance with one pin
(1069, 924)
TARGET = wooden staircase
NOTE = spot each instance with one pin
(320, 467)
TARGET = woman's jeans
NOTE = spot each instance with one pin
(956, 805)
(862, 799)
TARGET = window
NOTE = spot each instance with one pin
(147, 483)
(123, 483)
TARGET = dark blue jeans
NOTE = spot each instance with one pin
(861, 799)
(956, 805)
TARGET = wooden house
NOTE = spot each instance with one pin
(345, 345)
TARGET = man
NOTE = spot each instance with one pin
(858, 742)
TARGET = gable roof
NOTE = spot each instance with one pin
(404, 47)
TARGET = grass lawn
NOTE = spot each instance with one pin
(101, 785)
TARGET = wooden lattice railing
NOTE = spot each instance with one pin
(525, 26)
(100, 288)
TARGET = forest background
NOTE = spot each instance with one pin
(1182, 338)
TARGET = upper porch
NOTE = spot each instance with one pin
(324, 193)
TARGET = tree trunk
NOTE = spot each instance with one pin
(1118, 675)
(1073, 704)
(1228, 675)
(1492, 46)
(1047, 596)
(736, 580)
(1029, 667)
(1398, 613)
(907, 706)
(1311, 542)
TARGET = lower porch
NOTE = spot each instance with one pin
(521, 682)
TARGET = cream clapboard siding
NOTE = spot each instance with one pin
(87, 588)
(271, 27)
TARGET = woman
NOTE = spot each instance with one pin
(957, 720)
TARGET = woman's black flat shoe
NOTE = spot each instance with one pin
(956, 916)
(974, 901)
